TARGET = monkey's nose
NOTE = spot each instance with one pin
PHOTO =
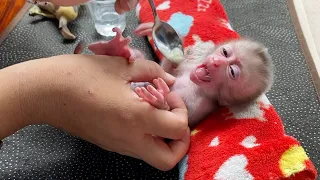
(215, 62)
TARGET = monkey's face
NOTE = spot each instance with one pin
(220, 66)
(233, 72)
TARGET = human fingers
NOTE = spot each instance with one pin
(167, 124)
(122, 6)
(144, 29)
(164, 156)
(146, 71)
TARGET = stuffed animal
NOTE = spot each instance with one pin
(64, 14)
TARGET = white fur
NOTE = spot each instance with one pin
(197, 104)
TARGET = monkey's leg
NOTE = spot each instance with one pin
(118, 46)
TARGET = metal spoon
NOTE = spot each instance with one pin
(166, 38)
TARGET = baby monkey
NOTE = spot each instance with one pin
(233, 73)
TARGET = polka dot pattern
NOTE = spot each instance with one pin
(43, 152)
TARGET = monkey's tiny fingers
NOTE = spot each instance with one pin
(151, 99)
(148, 96)
(118, 32)
(161, 86)
(144, 94)
(156, 93)
(131, 60)
(160, 103)
(127, 40)
(139, 92)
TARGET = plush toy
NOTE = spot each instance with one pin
(232, 143)
(64, 14)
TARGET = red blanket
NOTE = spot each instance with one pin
(231, 144)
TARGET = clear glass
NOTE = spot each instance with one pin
(105, 17)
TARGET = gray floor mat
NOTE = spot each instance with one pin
(43, 152)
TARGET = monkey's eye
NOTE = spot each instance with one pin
(225, 52)
(234, 71)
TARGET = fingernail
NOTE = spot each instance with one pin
(132, 4)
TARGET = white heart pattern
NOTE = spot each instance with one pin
(163, 6)
(214, 142)
(138, 8)
(234, 168)
(249, 142)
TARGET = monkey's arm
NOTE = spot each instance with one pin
(118, 46)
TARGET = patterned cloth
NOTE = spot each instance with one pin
(232, 143)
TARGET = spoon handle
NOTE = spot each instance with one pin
(153, 7)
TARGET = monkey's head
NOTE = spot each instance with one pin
(238, 71)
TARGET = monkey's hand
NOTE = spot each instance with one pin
(118, 46)
(155, 96)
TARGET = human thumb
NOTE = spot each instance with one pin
(146, 71)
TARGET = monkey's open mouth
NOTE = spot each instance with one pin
(202, 73)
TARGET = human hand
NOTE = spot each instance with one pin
(89, 96)
(122, 6)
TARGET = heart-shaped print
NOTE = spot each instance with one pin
(234, 168)
(163, 6)
(214, 142)
(249, 142)
(181, 23)
(138, 8)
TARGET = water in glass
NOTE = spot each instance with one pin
(105, 17)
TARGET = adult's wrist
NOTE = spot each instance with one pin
(28, 95)
(12, 110)
(42, 86)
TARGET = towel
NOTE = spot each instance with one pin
(235, 143)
